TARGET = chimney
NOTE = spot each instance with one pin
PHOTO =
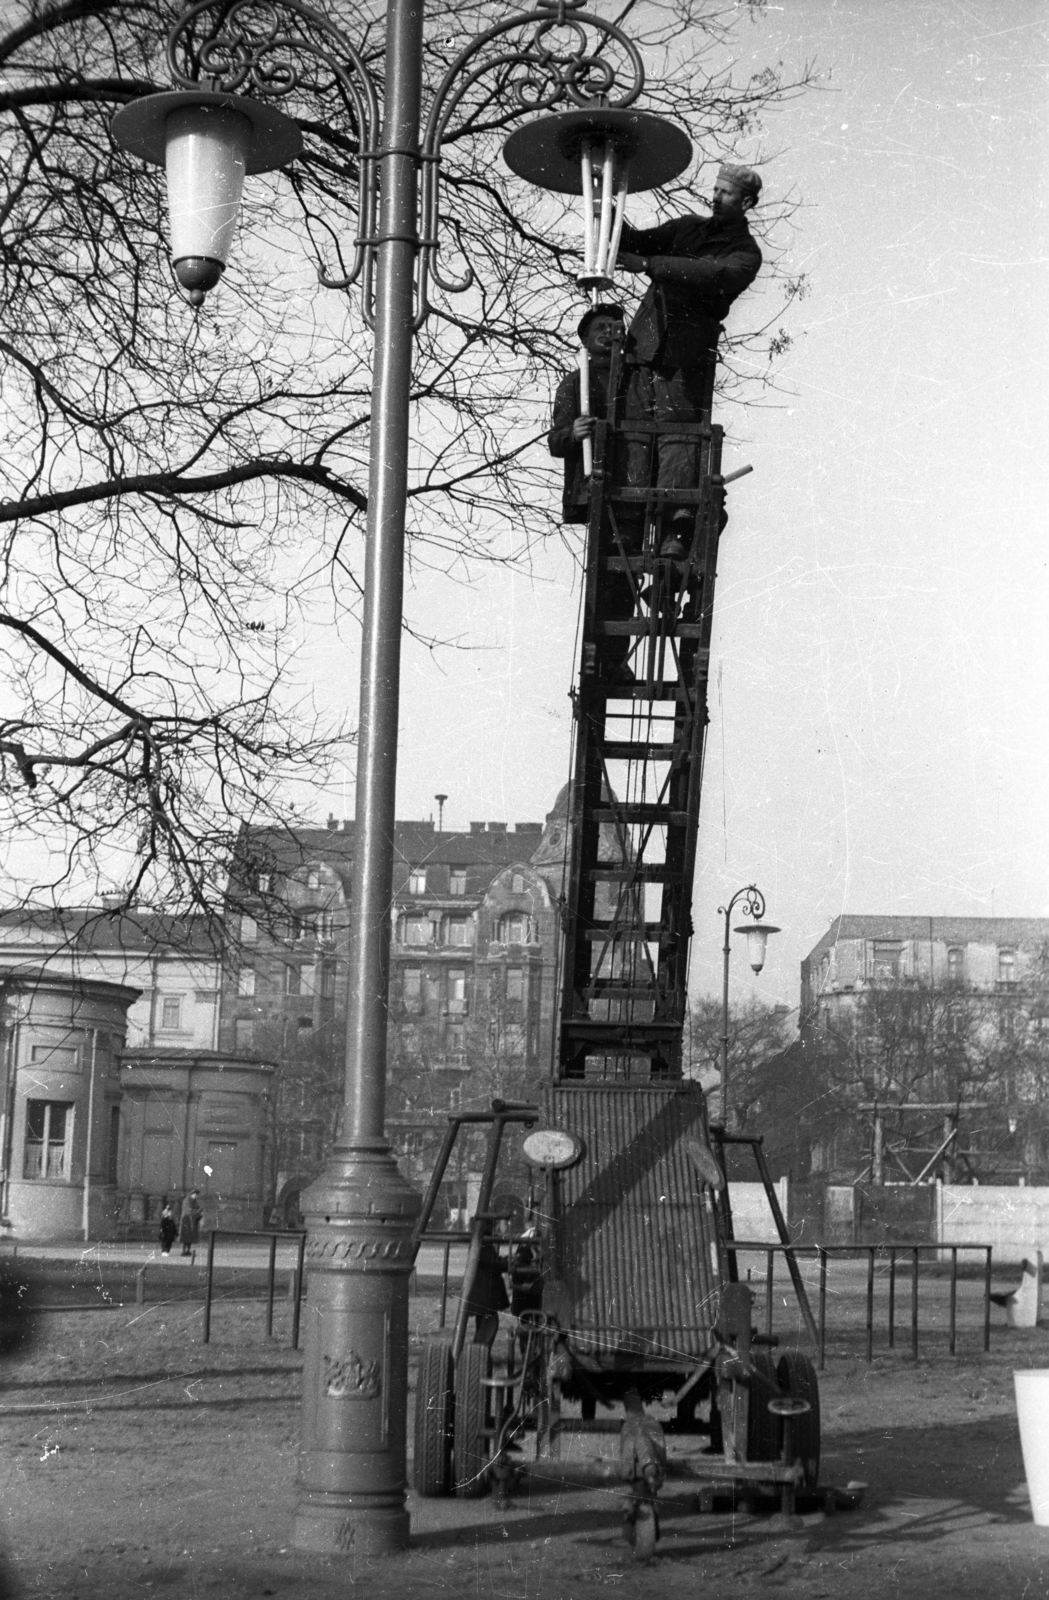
(112, 901)
(477, 827)
(497, 827)
(333, 826)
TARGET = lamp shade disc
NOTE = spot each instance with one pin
(141, 126)
(546, 152)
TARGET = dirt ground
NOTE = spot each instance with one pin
(137, 1461)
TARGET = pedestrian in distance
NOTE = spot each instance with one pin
(189, 1221)
(168, 1228)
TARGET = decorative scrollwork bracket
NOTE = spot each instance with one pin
(557, 54)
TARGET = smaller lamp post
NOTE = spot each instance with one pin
(757, 933)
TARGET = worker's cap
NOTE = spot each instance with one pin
(598, 311)
(745, 179)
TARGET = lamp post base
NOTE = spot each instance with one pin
(331, 1525)
(352, 1455)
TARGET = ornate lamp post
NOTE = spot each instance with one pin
(757, 933)
(209, 134)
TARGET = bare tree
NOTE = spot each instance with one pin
(182, 493)
(912, 1076)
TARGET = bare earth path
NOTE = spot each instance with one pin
(136, 1461)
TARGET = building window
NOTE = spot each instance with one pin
(515, 983)
(514, 929)
(459, 931)
(456, 993)
(305, 1025)
(324, 926)
(244, 1033)
(328, 982)
(455, 1042)
(171, 1012)
(48, 1136)
(517, 883)
(249, 930)
(1007, 966)
(300, 980)
(416, 930)
(955, 964)
(457, 880)
(888, 960)
(313, 879)
(417, 881)
(246, 982)
(59, 1057)
(412, 981)
(265, 881)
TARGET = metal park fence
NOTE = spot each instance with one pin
(296, 1283)
(893, 1274)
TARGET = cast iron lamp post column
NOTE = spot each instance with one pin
(757, 933)
(360, 1212)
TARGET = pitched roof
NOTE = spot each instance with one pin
(1019, 931)
(415, 844)
(92, 928)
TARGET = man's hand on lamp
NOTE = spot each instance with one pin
(630, 262)
(583, 428)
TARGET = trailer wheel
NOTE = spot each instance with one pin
(471, 1406)
(762, 1426)
(432, 1467)
(797, 1376)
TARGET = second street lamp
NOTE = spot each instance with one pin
(757, 932)
(360, 1212)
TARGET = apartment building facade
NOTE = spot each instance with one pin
(927, 1043)
(472, 988)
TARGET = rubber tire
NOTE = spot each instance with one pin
(763, 1434)
(432, 1466)
(470, 1452)
(797, 1377)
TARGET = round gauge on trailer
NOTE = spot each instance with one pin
(553, 1147)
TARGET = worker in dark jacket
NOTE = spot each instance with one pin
(696, 266)
(569, 426)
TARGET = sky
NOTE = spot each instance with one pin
(880, 663)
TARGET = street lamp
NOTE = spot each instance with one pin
(757, 932)
(209, 134)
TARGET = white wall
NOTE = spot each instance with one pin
(751, 1215)
(1013, 1220)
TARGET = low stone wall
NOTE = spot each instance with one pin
(1013, 1220)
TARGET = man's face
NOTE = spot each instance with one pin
(728, 201)
(599, 336)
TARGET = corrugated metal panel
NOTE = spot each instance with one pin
(633, 1231)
